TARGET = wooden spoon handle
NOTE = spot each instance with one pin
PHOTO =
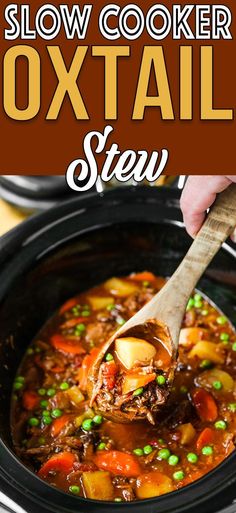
(218, 225)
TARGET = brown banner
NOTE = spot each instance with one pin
(170, 93)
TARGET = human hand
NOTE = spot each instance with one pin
(198, 195)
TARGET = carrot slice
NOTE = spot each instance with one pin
(206, 437)
(30, 400)
(72, 322)
(68, 305)
(66, 345)
(118, 463)
(205, 405)
(58, 424)
(144, 276)
(85, 368)
(61, 462)
(133, 381)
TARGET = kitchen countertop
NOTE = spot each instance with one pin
(9, 217)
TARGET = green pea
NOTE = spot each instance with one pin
(197, 297)
(51, 392)
(74, 489)
(98, 419)
(161, 441)
(205, 364)
(17, 385)
(232, 407)
(146, 283)
(33, 421)
(183, 389)
(38, 350)
(217, 385)
(120, 321)
(192, 457)
(173, 460)
(64, 386)
(198, 304)
(44, 403)
(87, 424)
(220, 424)
(41, 440)
(110, 307)
(164, 454)
(221, 320)
(138, 451)
(56, 413)
(138, 391)
(118, 499)
(147, 449)
(177, 476)
(80, 328)
(160, 380)
(190, 304)
(101, 446)
(224, 337)
(204, 312)
(234, 346)
(30, 351)
(109, 357)
(41, 391)
(207, 450)
(46, 413)
(47, 420)
(85, 313)
(20, 379)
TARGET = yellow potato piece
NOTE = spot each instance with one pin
(98, 485)
(98, 303)
(132, 351)
(153, 484)
(187, 433)
(207, 351)
(207, 378)
(190, 336)
(75, 395)
(120, 288)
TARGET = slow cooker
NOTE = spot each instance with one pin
(70, 248)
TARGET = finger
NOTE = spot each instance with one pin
(198, 195)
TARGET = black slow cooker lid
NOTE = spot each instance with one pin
(32, 193)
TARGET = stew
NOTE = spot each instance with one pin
(67, 443)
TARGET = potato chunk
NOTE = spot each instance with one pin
(187, 433)
(190, 336)
(98, 485)
(153, 484)
(207, 350)
(133, 351)
(98, 303)
(207, 378)
(75, 395)
(120, 288)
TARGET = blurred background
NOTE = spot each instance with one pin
(22, 196)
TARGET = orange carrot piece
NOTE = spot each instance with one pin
(85, 368)
(205, 405)
(68, 305)
(72, 322)
(206, 437)
(58, 424)
(144, 276)
(133, 381)
(61, 462)
(118, 463)
(30, 400)
(66, 345)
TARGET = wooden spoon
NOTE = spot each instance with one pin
(163, 314)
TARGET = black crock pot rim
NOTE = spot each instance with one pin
(18, 235)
